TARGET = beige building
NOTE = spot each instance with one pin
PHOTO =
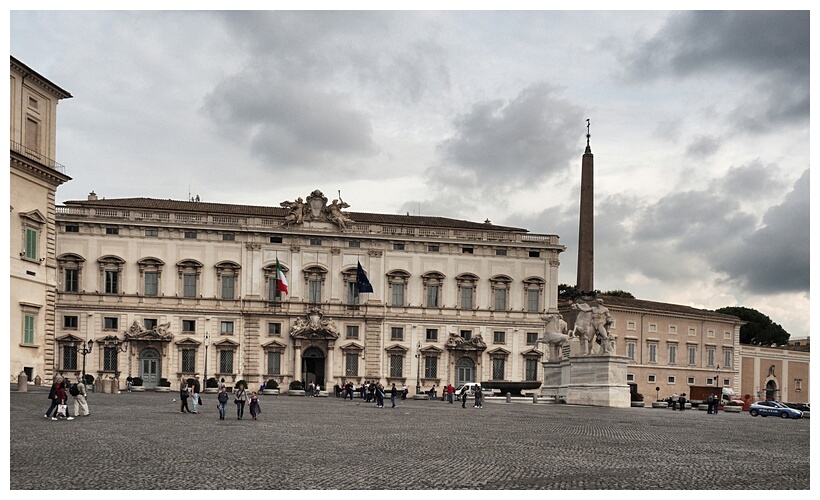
(34, 178)
(192, 287)
(672, 347)
(780, 373)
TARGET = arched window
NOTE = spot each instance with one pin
(500, 285)
(189, 271)
(466, 283)
(433, 283)
(397, 280)
(534, 290)
(272, 291)
(70, 269)
(314, 283)
(150, 269)
(227, 279)
(111, 268)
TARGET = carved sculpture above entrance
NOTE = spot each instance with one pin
(315, 208)
(314, 326)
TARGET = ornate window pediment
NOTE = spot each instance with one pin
(70, 339)
(532, 353)
(188, 342)
(273, 346)
(396, 349)
(226, 344)
(499, 352)
(352, 347)
(34, 217)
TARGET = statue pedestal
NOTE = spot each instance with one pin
(596, 380)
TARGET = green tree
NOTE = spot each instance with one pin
(619, 293)
(568, 292)
(759, 328)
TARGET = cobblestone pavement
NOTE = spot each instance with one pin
(140, 441)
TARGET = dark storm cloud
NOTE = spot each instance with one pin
(703, 146)
(771, 48)
(775, 258)
(507, 144)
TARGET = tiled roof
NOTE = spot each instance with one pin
(279, 212)
(648, 306)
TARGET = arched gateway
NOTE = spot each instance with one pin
(314, 338)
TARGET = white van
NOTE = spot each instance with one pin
(471, 390)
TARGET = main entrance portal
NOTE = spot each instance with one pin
(313, 366)
(465, 371)
(149, 367)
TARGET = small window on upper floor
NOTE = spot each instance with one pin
(534, 253)
(398, 246)
(190, 235)
(276, 239)
(72, 228)
(152, 232)
(501, 251)
(354, 244)
(432, 248)
(316, 242)
(228, 237)
(467, 250)
(112, 230)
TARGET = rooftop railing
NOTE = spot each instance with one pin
(36, 156)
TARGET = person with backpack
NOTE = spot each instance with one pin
(78, 392)
(222, 398)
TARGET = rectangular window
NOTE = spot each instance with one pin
(352, 293)
(630, 377)
(727, 359)
(693, 354)
(228, 237)
(32, 135)
(673, 330)
(466, 334)
(710, 356)
(226, 327)
(352, 364)
(499, 337)
(430, 367)
(670, 379)
(72, 280)
(653, 353)
(727, 335)
(354, 244)
(188, 361)
(274, 329)
(315, 242)
(274, 295)
(398, 294)
(692, 332)
(191, 235)
(188, 325)
(112, 230)
(228, 286)
(630, 350)
(70, 322)
(110, 359)
(225, 361)
(501, 251)
(498, 368)
(398, 246)
(189, 285)
(396, 365)
(149, 323)
(352, 331)
(432, 248)
(152, 232)
(466, 297)
(534, 253)
(397, 333)
(500, 297)
(69, 357)
(274, 363)
(432, 295)
(110, 323)
(314, 290)
(653, 327)
(710, 381)
(531, 369)
(630, 325)
(276, 239)
(531, 338)
(533, 297)
(673, 354)
(690, 380)
(431, 335)
(467, 250)
(710, 334)
(151, 283)
(72, 228)
(29, 321)
(650, 378)
(726, 382)
(112, 281)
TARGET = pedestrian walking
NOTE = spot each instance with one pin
(129, 383)
(710, 403)
(450, 392)
(184, 392)
(78, 392)
(717, 403)
(463, 396)
(378, 394)
(52, 396)
(404, 391)
(254, 405)
(240, 397)
(62, 406)
(682, 401)
(393, 393)
(195, 388)
(222, 400)
(478, 396)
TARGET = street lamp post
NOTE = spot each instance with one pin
(117, 350)
(418, 369)
(84, 352)
(207, 341)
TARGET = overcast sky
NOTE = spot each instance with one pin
(699, 123)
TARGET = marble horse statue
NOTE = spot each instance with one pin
(592, 326)
(555, 335)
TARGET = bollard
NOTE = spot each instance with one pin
(534, 398)
(114, 386)
(509, 397)
(22, 382)
(38, 381)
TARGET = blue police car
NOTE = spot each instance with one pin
(773, 408)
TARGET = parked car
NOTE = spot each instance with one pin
(471, 389)
(804, 407)
(773, 408)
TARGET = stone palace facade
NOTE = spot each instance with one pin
(175, 288)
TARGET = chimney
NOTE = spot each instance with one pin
(92, 196)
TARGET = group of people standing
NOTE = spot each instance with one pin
(58, 395)
(189, 388)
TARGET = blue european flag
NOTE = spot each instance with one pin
(362, 283)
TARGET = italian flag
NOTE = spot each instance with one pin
(281, 282)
